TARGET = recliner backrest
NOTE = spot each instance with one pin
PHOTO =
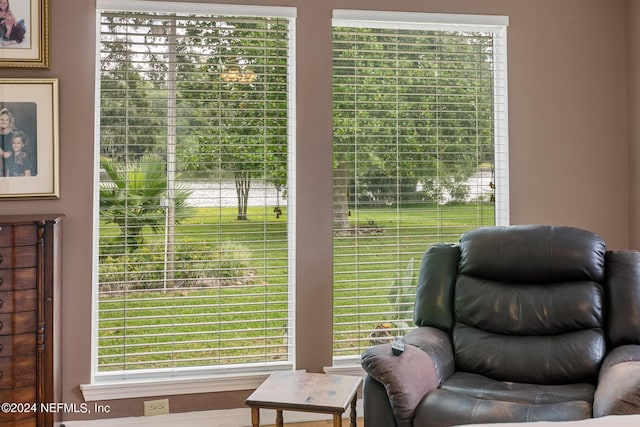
(622, 305)
(523, 303)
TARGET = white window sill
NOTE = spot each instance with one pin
(345, 366)
(142, 384)
(133, 385)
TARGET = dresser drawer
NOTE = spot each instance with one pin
(17, 372)
(14, 301)
(16, 279)
(19, 395)
(18, 257)
(17, 345)
(17, 323)
(16, 418)
(30, 422)
(18, 235)
(23, 394)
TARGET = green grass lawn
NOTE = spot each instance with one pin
(216, 313)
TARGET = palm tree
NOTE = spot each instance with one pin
(132, 196)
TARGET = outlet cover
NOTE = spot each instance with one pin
(156, 407)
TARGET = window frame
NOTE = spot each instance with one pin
(157, 382)
(497, 26)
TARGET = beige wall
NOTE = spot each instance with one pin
(569, 147)
(633, 76)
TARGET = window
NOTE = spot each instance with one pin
(420, 156)
(193, 217)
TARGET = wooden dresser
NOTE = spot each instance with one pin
(30, 255)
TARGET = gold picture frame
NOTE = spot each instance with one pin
(27, 41)
(29, 151)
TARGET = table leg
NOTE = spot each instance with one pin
(337, 419)
(354, 416)
(255, 417)
(279, 419)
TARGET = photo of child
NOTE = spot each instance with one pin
(13, 30)
(18, 139)
(18, 161)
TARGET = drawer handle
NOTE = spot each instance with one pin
(1, 348)
(1, 375)
(1, 280)
(1, 303)
(1, 325)
(0, 258)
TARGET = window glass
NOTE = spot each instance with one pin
(419, 146)
(193, 248)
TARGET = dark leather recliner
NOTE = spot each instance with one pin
(514, 324)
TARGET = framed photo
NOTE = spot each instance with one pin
(29, 138)
(24, 33)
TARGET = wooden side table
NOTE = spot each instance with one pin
(306, 392)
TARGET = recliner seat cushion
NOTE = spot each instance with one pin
(470, 398)
(481, 387)
(444, 408)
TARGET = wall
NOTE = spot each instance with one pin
(633, 73)
(569, 155)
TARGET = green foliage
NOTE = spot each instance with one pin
(401, 295)
(246, 136)
(201, 265)
(132, 197)
(411, 109)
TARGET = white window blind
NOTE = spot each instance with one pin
(420, 156)
(193, 219)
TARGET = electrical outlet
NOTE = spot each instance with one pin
(156, 407)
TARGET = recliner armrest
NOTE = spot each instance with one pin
(407, 377)
(618, 390)
(437, 344)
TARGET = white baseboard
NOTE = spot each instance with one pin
(240, 417)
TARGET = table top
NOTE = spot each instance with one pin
(303, 391)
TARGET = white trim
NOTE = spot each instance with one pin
(354, 370)
(171, 386)
(417, 20)
(240, 417)
(95, 209)
(112, 389)
(218, 9)
(501, 125)
(184, 381)
(292, 206)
